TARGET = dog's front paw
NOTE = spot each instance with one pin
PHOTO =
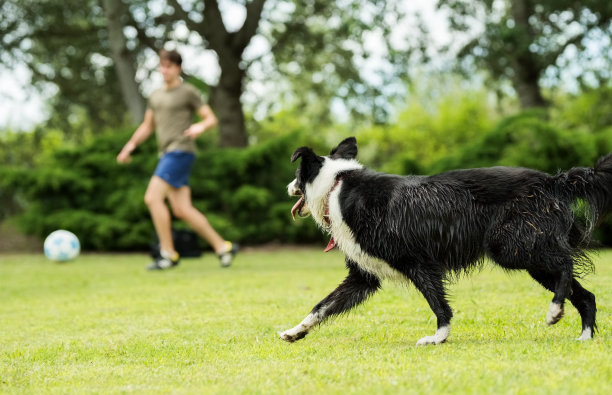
(292, 335)
(429, 340)
(587, 334)
(439, 338)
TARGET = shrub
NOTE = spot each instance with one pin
(242, 192)
(525, 140)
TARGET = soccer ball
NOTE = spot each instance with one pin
(61, 246)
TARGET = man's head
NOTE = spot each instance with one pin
(170, 62)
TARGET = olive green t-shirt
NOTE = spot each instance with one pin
(173, 110)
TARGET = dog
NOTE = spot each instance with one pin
(430, 229)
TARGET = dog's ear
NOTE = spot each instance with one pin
(308, 156)
(347, 149)
(311, 163)
(302, 152)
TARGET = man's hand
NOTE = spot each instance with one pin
(125, 154)
(209, 120)
(195, 130)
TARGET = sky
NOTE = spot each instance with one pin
(23, 107)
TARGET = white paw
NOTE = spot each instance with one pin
(439, 338)
(301, 330)
(427, 340)
(292, 335)
(587, 334)
(555, 313)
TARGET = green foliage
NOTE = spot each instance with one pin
(526, 140)
(83, 189)
(65, 45)
(427, 130)
(247, 189)
(55, 184)
(322, 49)
(524, 42)
(19, 154)
(318, 52)
(590, 111)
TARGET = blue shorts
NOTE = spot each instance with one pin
(174, 167)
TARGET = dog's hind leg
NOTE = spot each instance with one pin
(582, 299)
(355, 288)
(432, 288)
(560, 284)
(561, 292)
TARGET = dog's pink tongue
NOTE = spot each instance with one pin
(296, 206)
(330, 245)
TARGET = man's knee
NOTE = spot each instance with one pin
(181, 212)
(150, 199)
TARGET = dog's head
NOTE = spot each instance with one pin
(312, 166)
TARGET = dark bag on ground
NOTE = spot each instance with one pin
(186, 243)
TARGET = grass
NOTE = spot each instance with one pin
(102, 324)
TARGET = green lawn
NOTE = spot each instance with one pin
(102, 324)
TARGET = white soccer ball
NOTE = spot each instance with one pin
(61, 246)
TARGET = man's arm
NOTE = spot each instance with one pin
(140, 134)
(209, 121)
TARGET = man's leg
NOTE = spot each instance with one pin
(182, 207)
(155, 197)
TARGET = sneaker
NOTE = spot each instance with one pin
(227, 257)
(164, 261)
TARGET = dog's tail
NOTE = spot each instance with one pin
(592, 185)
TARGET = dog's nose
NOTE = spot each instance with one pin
(292, 189)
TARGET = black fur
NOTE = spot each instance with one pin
(431, 228)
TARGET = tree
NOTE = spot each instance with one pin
(525, 41)
(325, 39)
(124, 62)
(64, 45)
(333, 52)
(229, 47)
(94, 50)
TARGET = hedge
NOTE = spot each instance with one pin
(83, 189)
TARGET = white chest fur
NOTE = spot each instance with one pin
(345, 240)
(319, 198)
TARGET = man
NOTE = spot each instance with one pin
(170, 113)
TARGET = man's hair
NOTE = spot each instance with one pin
(171, 56)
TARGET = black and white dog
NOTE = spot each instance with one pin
(427, 229)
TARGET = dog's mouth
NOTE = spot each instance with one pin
(300, 208)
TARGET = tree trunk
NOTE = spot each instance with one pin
(229, 47)
(525, 65)
(114, 9)
(526, 83)
(225, 101)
